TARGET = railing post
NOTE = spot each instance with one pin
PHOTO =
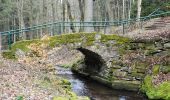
(63, 25)
(0, 41)
(123, 28)
(9, 40)
(141, 24)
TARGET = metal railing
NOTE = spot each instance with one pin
(54, 28)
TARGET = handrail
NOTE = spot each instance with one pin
(116, 22)
(154, 11)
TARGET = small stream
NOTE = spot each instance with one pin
(96, 91)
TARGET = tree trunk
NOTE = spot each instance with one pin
(81, 7)
(88, 17)
(123, 8)
(139, 9)
(130, 8)
(0, 43)
(21, 19)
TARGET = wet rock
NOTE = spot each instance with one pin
(116, 66)
(167, 45)
(165, 69)
(126, 85)
(119, 73)
(141, 71)
(125, 69)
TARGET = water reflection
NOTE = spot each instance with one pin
(96, 91)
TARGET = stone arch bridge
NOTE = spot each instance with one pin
(114, 60)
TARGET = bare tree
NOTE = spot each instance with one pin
(139, 8)
(88, 16)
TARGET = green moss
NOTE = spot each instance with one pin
(45, 83)
(165, 69)
(126, 85)
(117, 62)
(138, 66)
(8, 55)
(53, 41)
(18, 45)
(72, 38)
(150, 49)
(150, 46)
(22, 45)
(155, 69)
(60, 98)
(97, 46)
(110, 76)
(149, 52)
(83, 98)
(141, 65)
(65, 38)
(119, 39)
(121, 50)
(138, 75)
(141, 45)
(161, 91)
(19, 98)
(79, 62)
(72, 95)
(65, 82)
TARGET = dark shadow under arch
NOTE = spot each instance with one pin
(93, 61)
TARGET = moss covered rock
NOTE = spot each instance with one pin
(161, 91)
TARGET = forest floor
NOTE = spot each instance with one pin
(154, 29)
(24, 79)
(34, 78)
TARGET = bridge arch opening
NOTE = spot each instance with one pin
(93, 61)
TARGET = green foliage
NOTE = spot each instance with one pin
(161, 91)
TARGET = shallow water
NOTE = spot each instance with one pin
(96, 91)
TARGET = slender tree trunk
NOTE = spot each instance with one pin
(0, 42)
(130, 8)
(64, 15)
(21, 20)
(88, 15)
(139, 9)
(81, 7)
(70, 17)
(123, 8)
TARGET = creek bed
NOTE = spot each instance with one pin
(96, 91)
